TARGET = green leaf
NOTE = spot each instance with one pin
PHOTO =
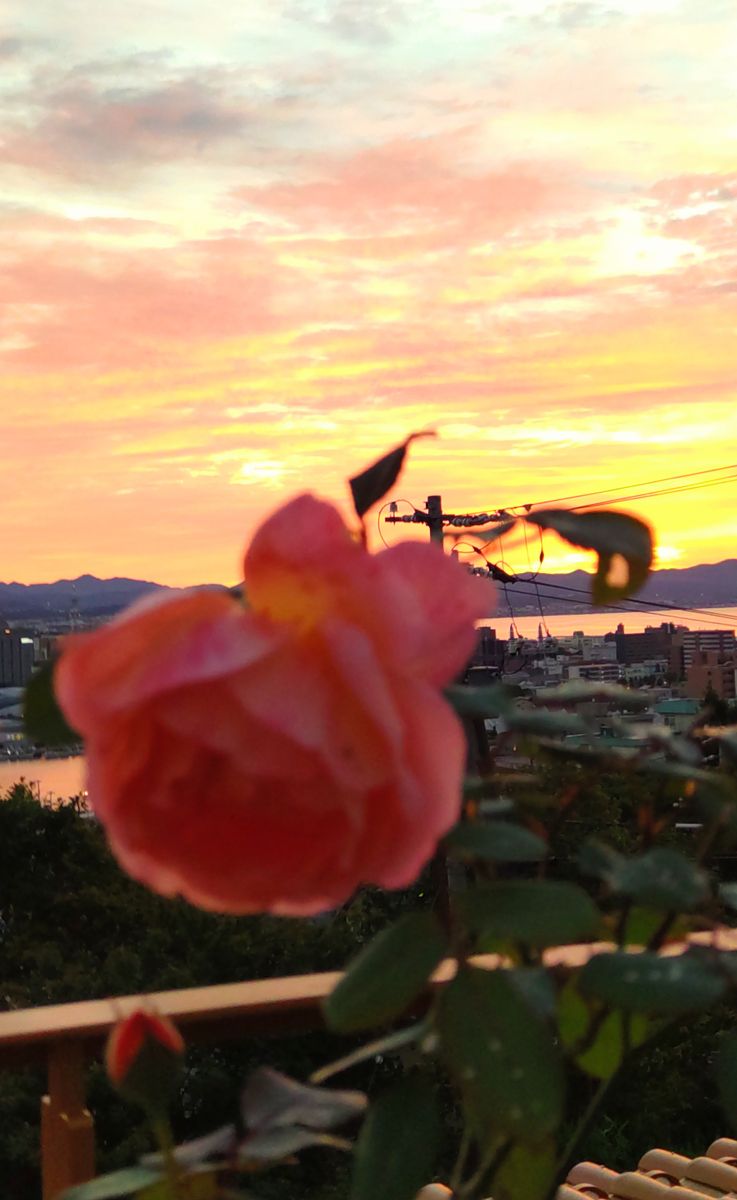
(43, 720)
(373, 483)
(660, 879)
(577, 691)
(726, 1076)
(534, 912)
(651, 983)
(541, 722)
(526, 1172)
(619, 1033)
(536, 985)
(726, 734)
(492, 701)
(386, 977)
(609, 534)
(272, 1100)
(220, 1143)
(642, 924)
(501, 1054)
(398, 1143)
(499, 841)
(120, 1183)
(201, 1186)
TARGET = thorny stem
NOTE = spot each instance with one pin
(162, 1132)
(487, 1170)
(460, 1162)
(579, 1133)
(382, 1045)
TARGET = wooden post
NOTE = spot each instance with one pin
(67, 1128)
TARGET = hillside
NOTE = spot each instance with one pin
(708, 585)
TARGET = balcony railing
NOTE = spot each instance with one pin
(65, 1038)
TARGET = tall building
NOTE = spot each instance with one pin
(711, 672)
(714, 641)
(490, 650)
(16, 658)
(653, 642)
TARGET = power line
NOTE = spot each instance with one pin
(645, 606)
(585, 602)
(641, 483)
(656, 605)
(637, 604)
(689, 487)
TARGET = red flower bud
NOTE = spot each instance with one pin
(143, 1058)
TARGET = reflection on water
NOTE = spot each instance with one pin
(57, 778)
(598, 623)
(51, 779)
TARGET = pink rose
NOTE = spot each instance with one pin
(275, 757)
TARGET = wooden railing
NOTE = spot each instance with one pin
(65, 1038)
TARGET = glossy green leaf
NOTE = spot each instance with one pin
(726, 1076)
(534, 912)
(501, 1054)
(120, 1183)
(619, 1033)
(610, 534)
(527, 1171)
(652, 983)
(396, 1150)
(387, 976)
(43, 720)
(659, 879)
(372, 484)
(497, 841)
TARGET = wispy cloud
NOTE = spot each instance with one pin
(243, 255)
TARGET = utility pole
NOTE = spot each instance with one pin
(434, 506)
(435, 519)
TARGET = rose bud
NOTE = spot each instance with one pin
(143, 1059)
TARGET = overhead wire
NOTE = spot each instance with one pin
(609, 490)
(628, 604)
(642, 604)
(691, 487)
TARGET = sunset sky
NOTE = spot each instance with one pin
(248, 246)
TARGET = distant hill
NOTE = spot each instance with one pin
(708, 586)
(91, 596)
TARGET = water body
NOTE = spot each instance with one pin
(50, 778)
(599, 623)
(61, 777)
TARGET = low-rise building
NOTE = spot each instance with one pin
(678, 713)
(597, 671)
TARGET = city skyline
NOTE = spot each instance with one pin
(244, 256)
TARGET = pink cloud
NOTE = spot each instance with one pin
(85, 304)
(410, 184)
